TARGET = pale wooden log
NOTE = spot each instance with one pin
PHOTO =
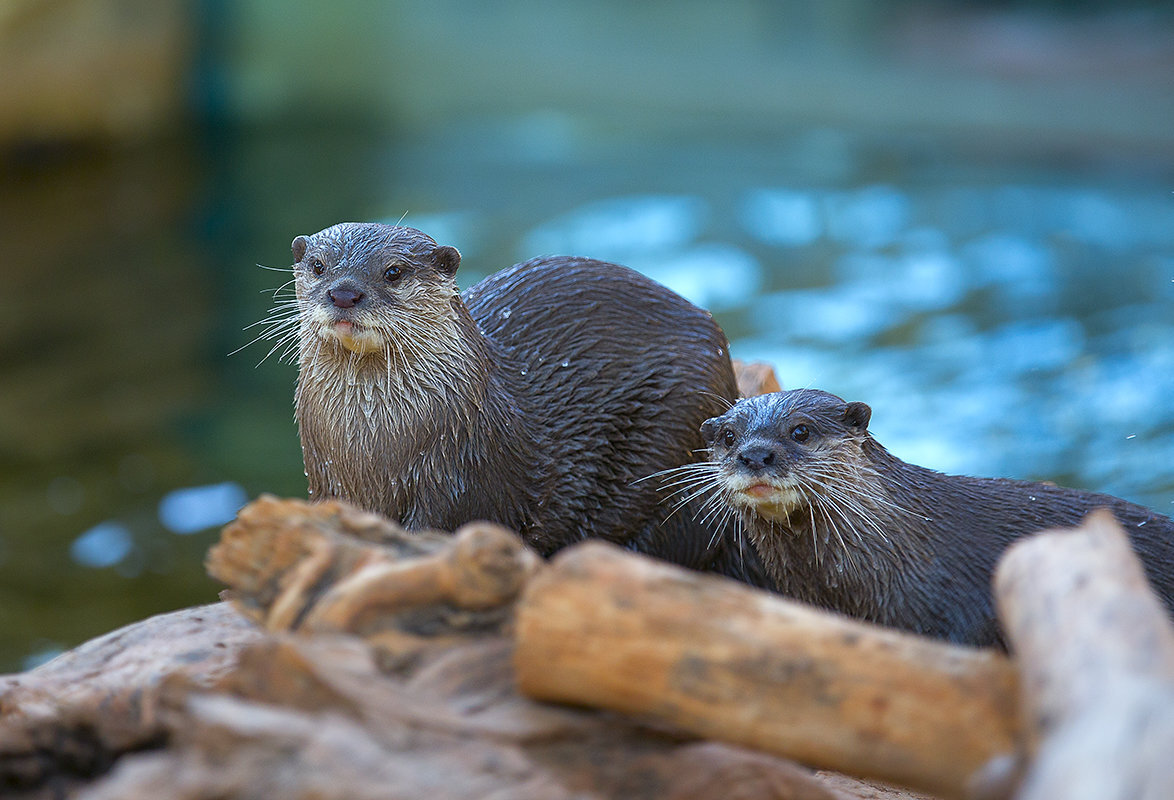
(78, 712)
(1096, 655)
(332, 567)
(606, 628)
(486, 566)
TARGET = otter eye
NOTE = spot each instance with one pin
(729, 437)
(392, 273)
(800, 433)
(317, 266)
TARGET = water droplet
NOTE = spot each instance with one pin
(524, 370)
(566, 362)
(505, 313)
(720, 352)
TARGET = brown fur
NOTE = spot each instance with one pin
(538, 399)
(841, 523)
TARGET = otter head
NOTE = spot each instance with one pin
(367, 287)
(776, 452)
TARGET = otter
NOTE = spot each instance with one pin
(536, 399)
(841, 523)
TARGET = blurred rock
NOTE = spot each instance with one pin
(83, 69)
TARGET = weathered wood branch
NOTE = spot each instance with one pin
(329, 567)
(309, 712)
(1096, 654)
(755, 377)
(609, 629)
(70, 719)
(392, 662)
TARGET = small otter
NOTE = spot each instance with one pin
(841, 523)
(536, 399)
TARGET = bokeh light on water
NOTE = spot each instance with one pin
(1030, 336)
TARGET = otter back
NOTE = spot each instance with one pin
(842, 523)
(537, 399)
(616, 375)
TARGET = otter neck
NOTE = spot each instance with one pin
(836, 545)
(418, 419)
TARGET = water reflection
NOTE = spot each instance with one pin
(620, 229)
(714, 275)
(996, 326)
(998, 330)
(197, 508)
(103, 545)
(783, 217)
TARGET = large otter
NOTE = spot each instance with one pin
(841, 523)
(536, 399)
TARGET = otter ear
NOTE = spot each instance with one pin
(446, 259)
(300, 243)
(709, 429)
(857, 415)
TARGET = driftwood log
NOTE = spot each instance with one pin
(1096, 654)
(605, 628)
(68, 721)
(755, 378)
(356, 660)
(376, 665)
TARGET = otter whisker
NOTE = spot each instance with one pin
(282, 287)
(387, 365)
(842, 506)
(855, 505)
(687, 485)
(273, 269)
(695, 493)
(852, 505)
(725, 401)
(286, 330)
(715, 505)
(682, 477)
(284, 343)
(692, 490)
(723, 524)
(830, 519)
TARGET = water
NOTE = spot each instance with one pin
(1001, 315)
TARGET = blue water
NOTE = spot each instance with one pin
(1001, 314)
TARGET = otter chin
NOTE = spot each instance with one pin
(841, 523)
(360, 340)
(769, 500)
(536, 399)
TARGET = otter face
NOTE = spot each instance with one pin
(773, 451)
(367, 286)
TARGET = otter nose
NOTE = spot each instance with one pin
(345, 296)
(756, 457)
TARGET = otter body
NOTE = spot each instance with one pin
(536, 399)
(841, 523)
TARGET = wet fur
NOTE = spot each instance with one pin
(879, 539)
(536, 399)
